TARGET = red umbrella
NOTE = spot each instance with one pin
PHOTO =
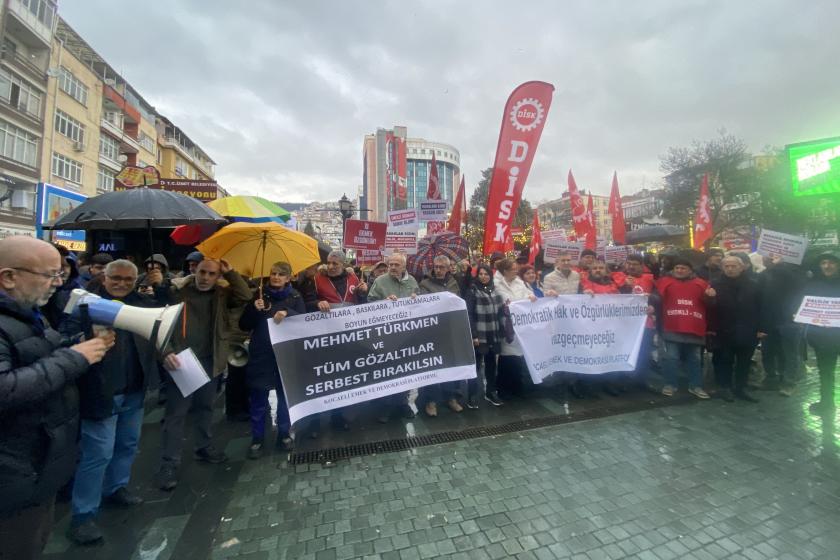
(445, 243)
(191, 234)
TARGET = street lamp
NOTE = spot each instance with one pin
(345, 206)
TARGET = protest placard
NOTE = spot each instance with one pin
(580, 333)
(790, 248)
(356, 354)
(820, 311)
(433, 210)
(401, 234)
(363, 234)
(555, 247)
(616, 254)
(558, 234)
(367, 257)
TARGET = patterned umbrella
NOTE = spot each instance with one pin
(445, 243)
(249, 209)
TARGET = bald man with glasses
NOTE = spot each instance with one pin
(39, 411)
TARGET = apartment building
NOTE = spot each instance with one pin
(26, 35)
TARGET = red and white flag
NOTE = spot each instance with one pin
(619, 230)
(703, 218)
(433, 190)
(592, 229)
(459, 210)
(536, 239)
(522, 125)
(579, 218)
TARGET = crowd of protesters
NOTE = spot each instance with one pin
(72, 400)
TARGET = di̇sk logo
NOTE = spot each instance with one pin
(527, 114)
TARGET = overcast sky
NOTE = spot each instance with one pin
(281, 93)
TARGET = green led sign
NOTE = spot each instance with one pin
(815, 167)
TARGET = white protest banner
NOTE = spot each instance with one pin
(558, 234)
(820, 311)
(580, 333)
(554, 247)
(791, 248)
(433, 210)
(401, 234)
(365, 352)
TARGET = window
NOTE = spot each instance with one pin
(72, 86)
(160, 157)
(44, 10)
(18, 145)
(180, 167)
(105, 179)
(147, 142)
(19, 93)
(66, 168)
(69, 127)
(108, 147)
(141, 164)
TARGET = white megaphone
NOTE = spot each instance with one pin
(154, 324)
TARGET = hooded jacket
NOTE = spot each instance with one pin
(432, 285)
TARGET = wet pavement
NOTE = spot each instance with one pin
(633, 478)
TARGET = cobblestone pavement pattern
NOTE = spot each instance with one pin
(703, 481)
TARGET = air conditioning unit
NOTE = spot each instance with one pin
(23, 200)
(79, 146)
(110, 82)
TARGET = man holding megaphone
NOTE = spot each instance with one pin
(39, 410)
(111, 402)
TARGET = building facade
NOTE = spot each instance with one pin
(26, 37)
(69, 120)
(557, 214)
(394, 162)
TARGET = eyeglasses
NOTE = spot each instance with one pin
(124, 279)
(51, 276)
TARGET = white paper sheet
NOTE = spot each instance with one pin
(191, 375)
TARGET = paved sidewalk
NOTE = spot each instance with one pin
(709, 480)
(702, 480)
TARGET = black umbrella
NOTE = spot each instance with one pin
(140, 208)
(655, 233)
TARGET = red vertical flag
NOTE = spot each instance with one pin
(592, 229)
(703, 218)
(619, 231)
(459, 210)
(523, 121)
(579, 219)
(433, 190)
(536, 239)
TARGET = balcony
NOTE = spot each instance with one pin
(172, 142)
(112, 124)
(33, 22)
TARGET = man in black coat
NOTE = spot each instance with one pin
(734, 324)
(825, 340)
(111, 404)
(39, 403)
(781, 286)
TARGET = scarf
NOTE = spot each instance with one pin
(487, 308)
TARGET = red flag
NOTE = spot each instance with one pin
(522, 125)
(592, 229)
(703, 218)
(579, 219)
(619, 230)
(433, 190)
(536, 239)
(459, 210)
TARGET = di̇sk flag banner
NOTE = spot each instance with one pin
(580, 220)
(703, 217)
(523, 121)
(619, 230)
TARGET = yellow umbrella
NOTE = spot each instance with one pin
(251, 248)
